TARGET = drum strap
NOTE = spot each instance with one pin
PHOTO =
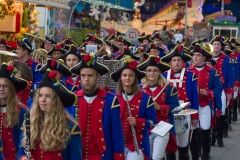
(175, 81)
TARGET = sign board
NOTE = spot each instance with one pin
(132, 34)
(103, 33)
(63, 4)
(226, 18)
(91, 48)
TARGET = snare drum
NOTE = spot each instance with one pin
(181, 124)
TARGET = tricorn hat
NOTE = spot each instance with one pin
(128, 63)
(56, 47)
(127, 51)
(177, 51)
(90, 61)
(144, 37)
(8, 72)
(48, 38)
(154, 61)
(50, 80)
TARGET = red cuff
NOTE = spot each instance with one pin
(119, 156)
(140, 124)
(164, 109)
(194, 116)
(210, 94)
(230, 90)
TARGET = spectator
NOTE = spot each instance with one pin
(164, 35)
(178, 36)
(187, 42)
(171, 44)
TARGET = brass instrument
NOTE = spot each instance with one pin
(35, 39)
(6, 56)
(104, 48)
(40, 55)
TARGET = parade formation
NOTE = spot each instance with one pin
(123, 102)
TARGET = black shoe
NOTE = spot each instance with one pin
(220, 143)
(229, 127)
(205, 157)
(225, 135)
(234, 120)
(213, 144)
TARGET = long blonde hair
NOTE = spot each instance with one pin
(161, 81)
(54, 134)
(12, 114)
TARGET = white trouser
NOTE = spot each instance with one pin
(158, 145)
(205, 117)
(133, 155)
(235, 94)
(182, 139)
(224, 102)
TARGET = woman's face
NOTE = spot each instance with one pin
(4, 89)
(152, 73)
(45, 98)
(127, 77)
(71, 60)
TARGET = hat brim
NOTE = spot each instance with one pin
(128, 53)
(117, 74)
(151, 62)
(204, 51)
(26, 73)
(63, 51)
(174, 53)
(59, 67)
(100, 68)
(140, 39)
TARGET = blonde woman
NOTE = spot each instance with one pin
(154, 83)
(141, 107)
(53, 134)
(12, 112)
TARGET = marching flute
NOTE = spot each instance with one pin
(27, 148)
(155, 98)
(132, 127)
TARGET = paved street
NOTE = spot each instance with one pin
(231, 149)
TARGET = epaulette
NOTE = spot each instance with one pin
(75, 130)
(149, 104)
(174, 91)
(115, 102)
(194, 77)
(38, 67)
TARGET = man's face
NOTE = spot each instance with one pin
(145, 41)
(217, 46)
(21, 52)
(208, 64)
(141, 58)
(92, 43)
(198, 58)
(176, 63)
(89, 79)
(56, 54)
(154, 52)
(3, 47)
(48, 45)
(120, 45)
(111, 49)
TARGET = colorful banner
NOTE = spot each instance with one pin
(63, 4)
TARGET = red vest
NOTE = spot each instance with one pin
(23, 95)
(38, 154)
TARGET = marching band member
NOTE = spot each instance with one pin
(156, 37)
(72, 57)
(141, 107)
(3, 45)
(127, 51)
(56, 51)
(225, 70)
(93, 40)
(154, 49)
(154, 83)
(98, 113)
(141, 53)
(145, 40)
(123, 42)
(186, 84)
(54, 135)
(48, 43)
(12, 112)
(209, 90)
(23, 51)
(235, 54)
(114, 49)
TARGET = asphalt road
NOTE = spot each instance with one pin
(231, 148)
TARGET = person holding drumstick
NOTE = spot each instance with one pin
(185, 82)
(136, 110)
(153, 83)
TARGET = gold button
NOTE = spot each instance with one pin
(102, 102)
(100, 129)
(102, 139)
(13, 149)
(10, 140)
(139, 101)
(59, 154)
(104, 147)
(41, 156)
(102, 155)
(100, 120)
(120, 155)
(100, 110)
